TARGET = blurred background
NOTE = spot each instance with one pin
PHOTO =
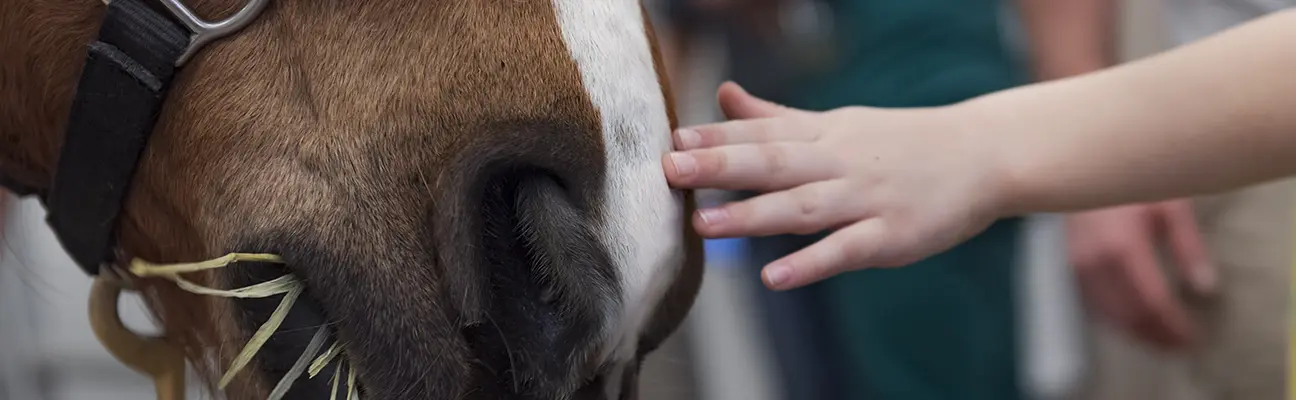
(726, 349)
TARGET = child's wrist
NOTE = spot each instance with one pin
(986, 124)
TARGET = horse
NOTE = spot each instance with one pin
(470, 191)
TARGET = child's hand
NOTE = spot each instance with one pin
(896, 185)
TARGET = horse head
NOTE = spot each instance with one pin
(470, 191)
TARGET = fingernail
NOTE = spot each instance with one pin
(685, 164)
(777, 275)
(688, 138)
(713, 216)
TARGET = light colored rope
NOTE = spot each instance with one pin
(312, 361)
(316, 343)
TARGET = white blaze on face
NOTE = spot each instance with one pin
(642, 221)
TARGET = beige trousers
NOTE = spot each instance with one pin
(1245, 351)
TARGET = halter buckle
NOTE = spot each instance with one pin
(204, 32)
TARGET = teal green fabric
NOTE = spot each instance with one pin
(943, 328)
(904, 53)
(939, 329)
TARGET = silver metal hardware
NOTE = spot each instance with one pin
(204, 32)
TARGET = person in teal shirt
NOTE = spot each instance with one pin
(943, 328)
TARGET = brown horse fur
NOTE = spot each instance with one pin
(355, 138)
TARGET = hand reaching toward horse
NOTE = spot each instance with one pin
(898, 185)
(891, 196)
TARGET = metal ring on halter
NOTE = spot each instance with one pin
(204, 32)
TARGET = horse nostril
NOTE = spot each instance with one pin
(547, 278)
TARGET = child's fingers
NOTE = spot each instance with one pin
(854, 247)
(763, 167)
(792, 129)
(736, 103)
(804, 209)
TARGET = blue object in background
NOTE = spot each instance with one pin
(725, 253)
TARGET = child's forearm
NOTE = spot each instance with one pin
(1206, 117)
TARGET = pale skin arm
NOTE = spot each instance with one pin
(1115, 251)
(898, 185)
(1205, 118)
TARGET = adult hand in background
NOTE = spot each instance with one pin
(1116, 256)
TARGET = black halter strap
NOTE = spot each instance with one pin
(120, 93)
